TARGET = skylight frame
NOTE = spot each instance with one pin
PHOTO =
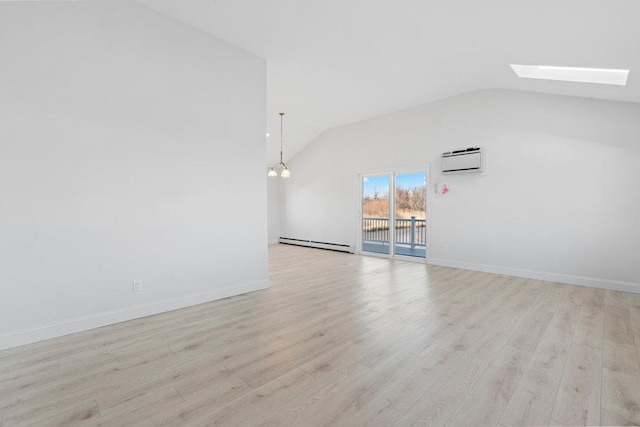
(605, 76)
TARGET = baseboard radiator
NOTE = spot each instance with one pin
(317, 245)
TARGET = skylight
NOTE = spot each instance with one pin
(603, 76)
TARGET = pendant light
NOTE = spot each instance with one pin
(285, 173)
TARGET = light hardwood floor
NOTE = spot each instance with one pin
(347, 340)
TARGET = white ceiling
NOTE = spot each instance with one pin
(332, 62)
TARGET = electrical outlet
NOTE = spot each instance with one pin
(444, 249)
(136, 286)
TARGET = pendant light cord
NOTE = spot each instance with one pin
(285, 173)
(281, 116)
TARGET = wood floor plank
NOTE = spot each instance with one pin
(439, 390)
(610, 418)
(247, 410)
(379, 351)
(531, 330)
(621, 361)
(197, 406)
(633, 302)
(488, 399)
(337, 358)
(311, 394)
(346, 340)
(550, 296)
(532, 402)
(347, 400)
(135, 410)
(579, 396)
(617, 320)
(397, 398)
(79, 415)
(458, 320)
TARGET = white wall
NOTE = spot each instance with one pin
(131, 147)
(560, 199)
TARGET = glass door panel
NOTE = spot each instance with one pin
(410, 214)
(376, 208)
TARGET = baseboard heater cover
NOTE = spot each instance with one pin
(317, 245)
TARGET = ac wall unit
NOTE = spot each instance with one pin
(318, 245)
(464, 160)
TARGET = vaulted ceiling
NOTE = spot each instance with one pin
(332, 62)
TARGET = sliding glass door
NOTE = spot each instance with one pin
(411, 214)
(394, 214)
(376, 210)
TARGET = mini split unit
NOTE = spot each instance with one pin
(464, 160)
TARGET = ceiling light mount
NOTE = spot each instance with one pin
(285, 172)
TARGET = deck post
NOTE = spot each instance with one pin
(413, 232)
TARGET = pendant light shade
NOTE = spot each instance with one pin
(285, 172)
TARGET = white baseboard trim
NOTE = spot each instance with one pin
(613, 285)
(85, 323)
(273, 241)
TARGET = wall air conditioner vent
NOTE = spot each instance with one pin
(317, 245)
(464, 160)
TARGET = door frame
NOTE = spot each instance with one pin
(392, 201)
